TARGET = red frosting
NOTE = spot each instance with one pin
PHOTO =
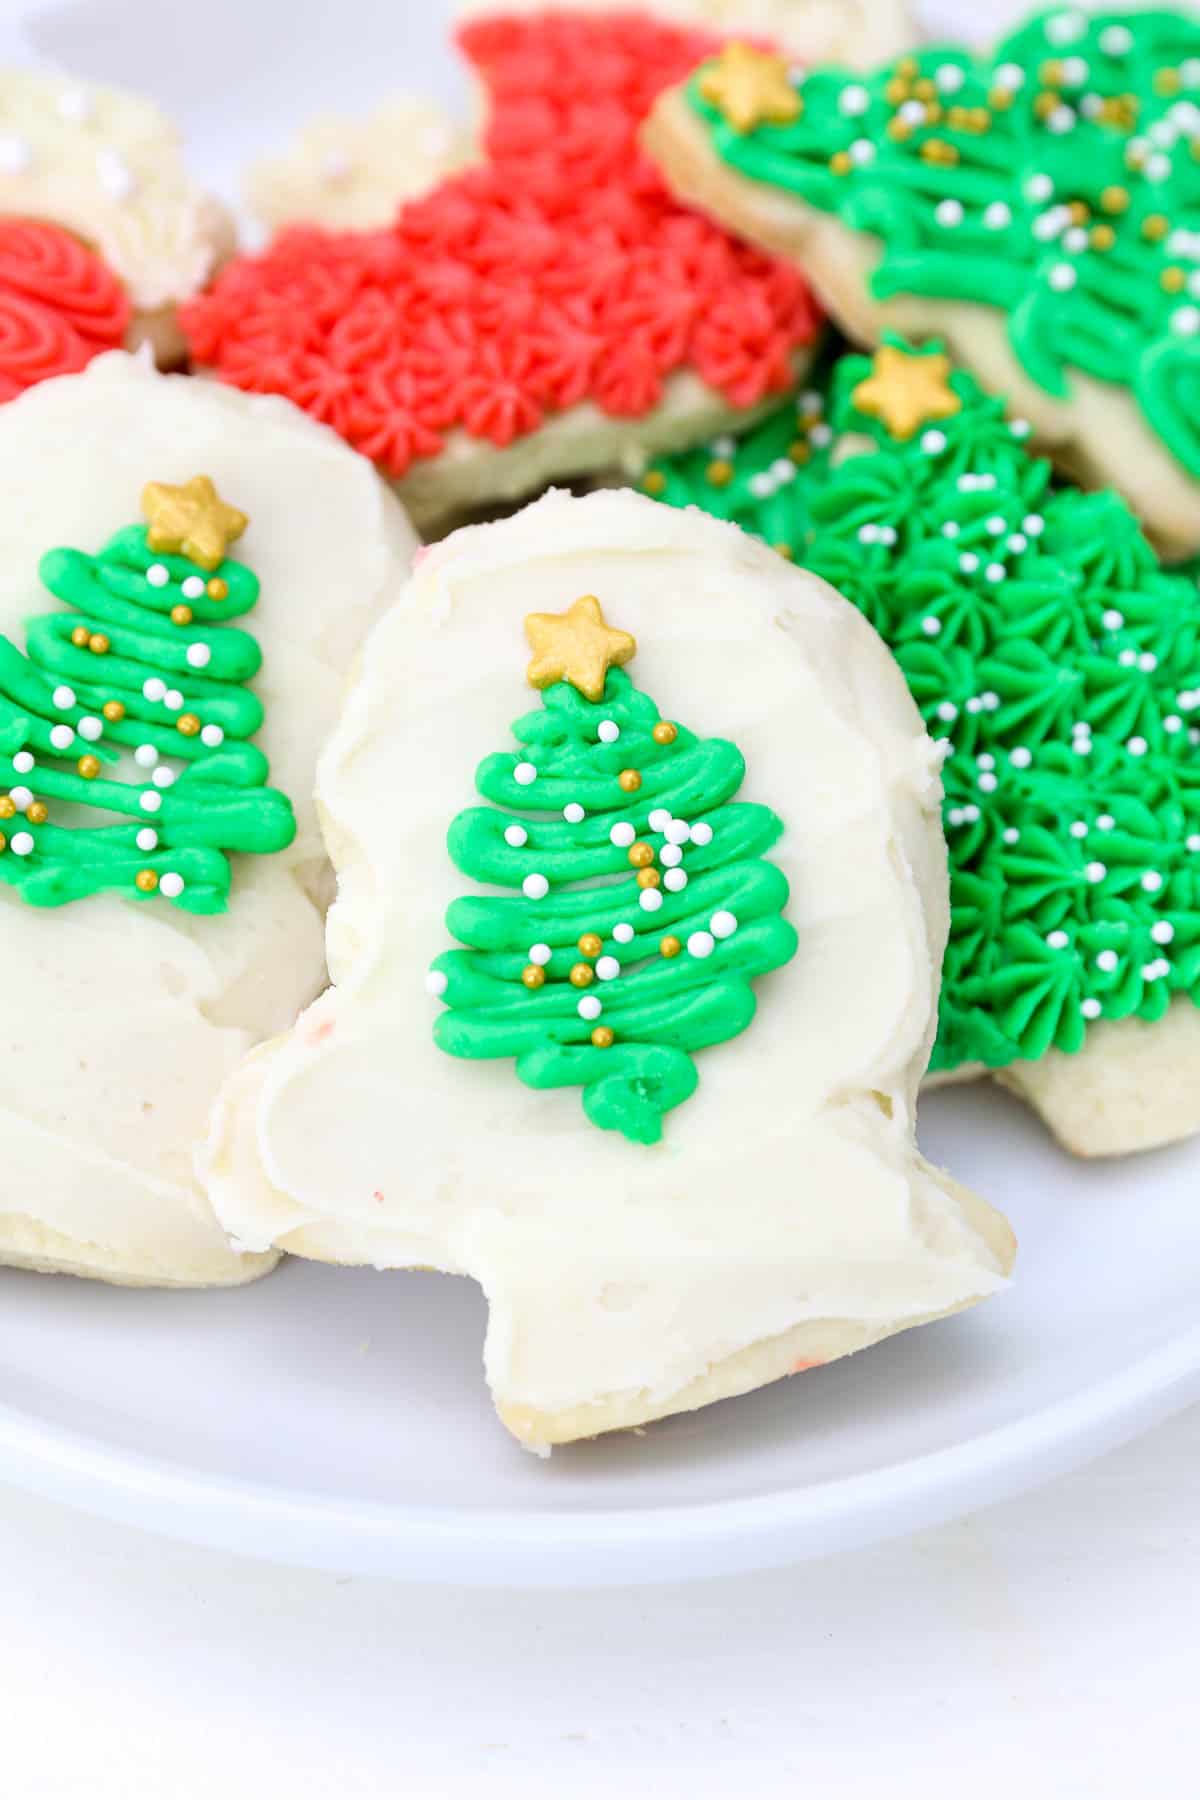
(59, 305)
(561, 271)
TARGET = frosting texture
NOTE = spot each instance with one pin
(59, 305)
(1058, 179)
(1047, 648)
(561, 271)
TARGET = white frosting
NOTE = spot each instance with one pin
(107, 165)
(352, 174)
(786, 1190)
(858, 33)
(121, 1019)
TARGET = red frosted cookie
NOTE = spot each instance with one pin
(546, 315)
(60, 305)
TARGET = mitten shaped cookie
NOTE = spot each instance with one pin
(631, 1033)
(178, 613)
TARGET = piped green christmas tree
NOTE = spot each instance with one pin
(646, 904)
(1056, 180)
(142, 674)
(1043, 641)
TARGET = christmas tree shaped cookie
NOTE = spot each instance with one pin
(1037, 209)
(164, 690)
(659, 1101)
(1060, 665)
(99, 682)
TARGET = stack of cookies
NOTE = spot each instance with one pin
(838, 733)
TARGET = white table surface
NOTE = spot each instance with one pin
(1048, 1645)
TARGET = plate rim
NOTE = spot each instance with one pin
(596, 1547)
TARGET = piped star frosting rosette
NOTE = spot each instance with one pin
(1052, 654)
(535, 317)
(60, 305)
(1038, 207)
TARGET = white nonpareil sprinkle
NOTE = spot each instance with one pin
(173, 700)
(1127, 658)
(623, 933)
(1193, 842)
(1157, 167)
(1090, 1009)
(150, 802)
(702, 834)
(659, 819)
(1095, 871)
(853, 101)
(678, 831)
(535, 887)
(1011, 835)
(91, 728)
(1063, 277)
(701, 944)
(154, 689)
(1105, 822)
(540, 954)
(114, 174)
(607, 968)
(1186, 320)
(158, 575)
(145, 756)
(212, 735)
(15, 156)
(147, 838)
(862, 152)
(63, 697)
(23, 762)
(948, 78)
(1116, 40)
(524, 774)
(997, 216)
(947, 712)
(1065, 28)
(193, 588)
(675, 880)
(1137, 746)
(1033, 524)
(515, 836)
(1057, 940)
(968, 562)
(949, 212)
(1062, 120)
(163, 778)
(589, 1007)
(670, 856)
(951, 528)
(622, 834)
(1111, 619)
(987, 783)
(573, 813)
(1162, 931)
(608, 731)
(171, 886)
(199, 656)
(996, 572)
(1039, 187)
(723, 924)
(1010, 76)
(650, 900)
(21, 798)
(435, 983)
(1107, 961)
(1152, 881)
(931, 625)
(21, 843)
(1021, 757)
(1079, 829)
(933, 442)
(61, 737)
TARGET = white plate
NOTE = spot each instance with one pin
(339, 1418)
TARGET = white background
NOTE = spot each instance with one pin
(1047, 1645)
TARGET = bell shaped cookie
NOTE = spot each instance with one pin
(185, 576)
(642, 899)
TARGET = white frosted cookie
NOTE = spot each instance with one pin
(352, 174)
(1034, 208)
(107, 166)
(662, 1109)
(124, 1010)
(856, 33)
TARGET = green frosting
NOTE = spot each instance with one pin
(560, 819)
(210, 798)
(1059, 179)
(1043, 641)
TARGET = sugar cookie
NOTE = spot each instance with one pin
(107, 166)
(1038, 209)
(653, 1083)
(1061, 665)
(143, 958)
(545, 315)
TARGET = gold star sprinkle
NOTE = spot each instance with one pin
(751, 88)
(191, 520)
(904, 391)
(576, 646)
